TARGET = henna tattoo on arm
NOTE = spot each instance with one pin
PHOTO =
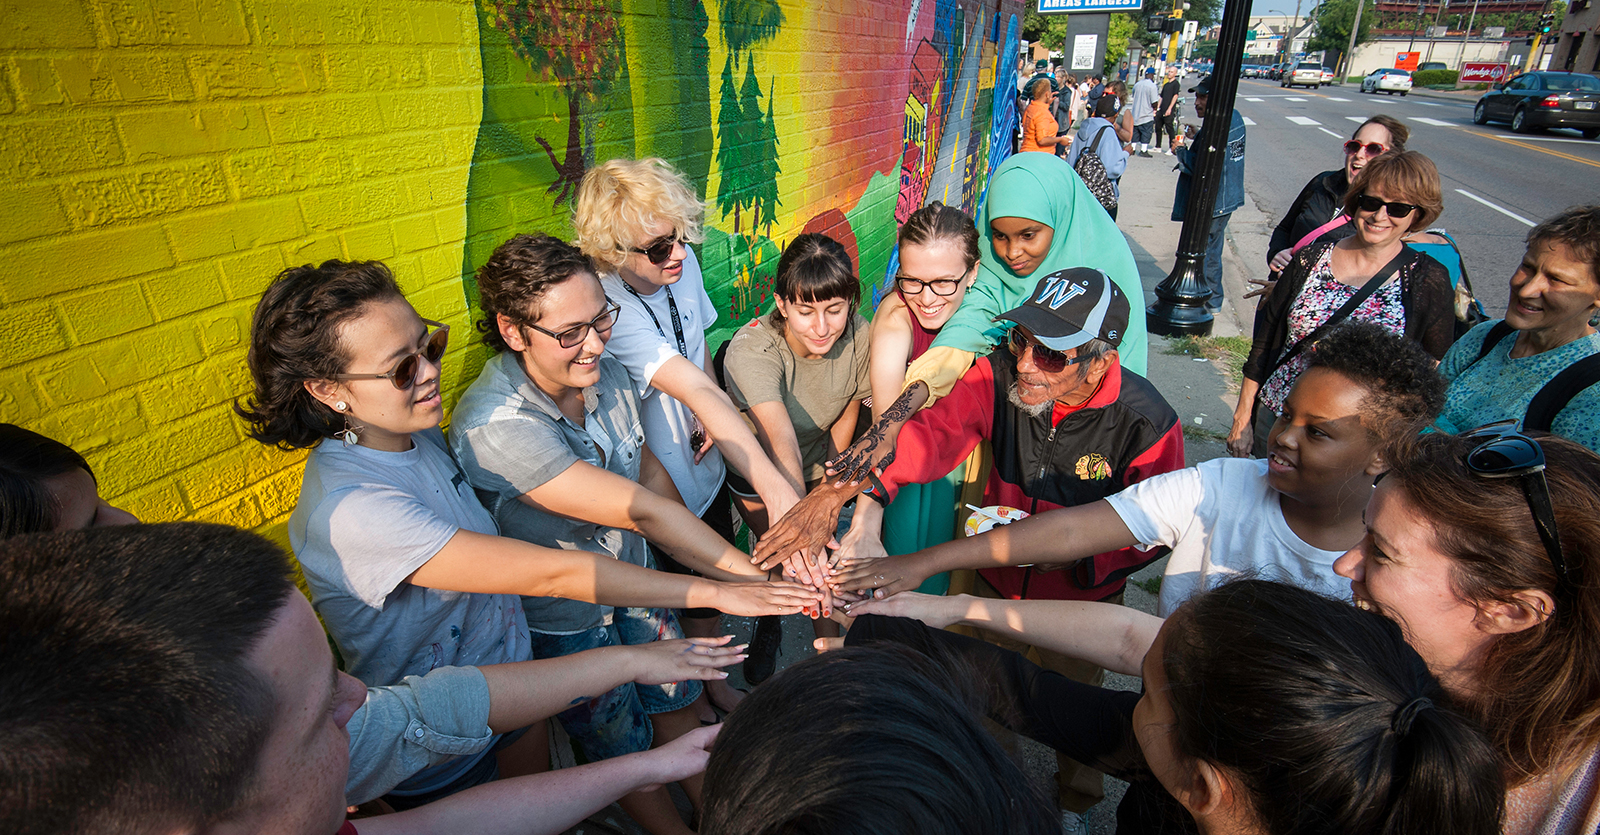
(853, 463)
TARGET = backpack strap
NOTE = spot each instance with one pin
(1097, 134)
(1556, 394)
(1499, 331)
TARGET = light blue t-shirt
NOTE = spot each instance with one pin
(1500, 387)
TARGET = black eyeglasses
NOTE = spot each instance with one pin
(940, 286)
(1368, 203)
(404, 373)
(1048, 360)
(660, 249)
(1373, 148)
(1504, 452)
(575, 335)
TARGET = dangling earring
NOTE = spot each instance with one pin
(351, 434)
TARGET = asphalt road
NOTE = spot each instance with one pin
(1496, 184)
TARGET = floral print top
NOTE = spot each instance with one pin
(1323, 294)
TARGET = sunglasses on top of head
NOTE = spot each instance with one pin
(1504, 452)
(574, 336)
(1373, 148)
(1368, 203)
(1046, 359)
(404, 374)
(659, 251)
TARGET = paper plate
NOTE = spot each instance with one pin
(978, 523)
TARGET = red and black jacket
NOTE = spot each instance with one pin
(1125, 433)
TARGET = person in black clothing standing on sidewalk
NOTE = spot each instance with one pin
(1167, 112)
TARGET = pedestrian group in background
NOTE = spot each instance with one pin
(1386, 620)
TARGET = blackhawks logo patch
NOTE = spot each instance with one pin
(1093, 466)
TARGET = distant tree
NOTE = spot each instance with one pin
(578, 45)
(1048, 29)
(1123, 27)
(1333, 19)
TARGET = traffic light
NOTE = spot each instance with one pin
(1546, 21)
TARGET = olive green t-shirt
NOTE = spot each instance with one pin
(762, 368)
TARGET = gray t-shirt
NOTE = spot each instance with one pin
(512, 438)
(366, 521)
(762, 368)
(1146, 95)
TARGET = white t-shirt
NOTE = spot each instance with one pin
(366, 521)
(1221, 518)
(642, 348)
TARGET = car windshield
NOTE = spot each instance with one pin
(1586, 83)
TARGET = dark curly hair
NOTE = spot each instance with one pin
(294, 337)
(518, 274)
(1404, 388)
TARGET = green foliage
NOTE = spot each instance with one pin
(1123, 27)
(1333, 24)
(1048, 29)
(1427, 78)
(1206, 12)
(1204, 49)
(749, 23)
(578, 44)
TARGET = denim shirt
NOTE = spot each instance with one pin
(1232, 195)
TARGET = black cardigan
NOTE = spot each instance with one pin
(1425, 295)
(1316, 205)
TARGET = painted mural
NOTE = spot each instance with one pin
(198, 147)
(729, 92)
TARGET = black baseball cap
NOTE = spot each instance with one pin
(1072, 306)
(1203, 88)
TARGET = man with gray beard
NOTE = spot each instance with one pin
(1068, 425)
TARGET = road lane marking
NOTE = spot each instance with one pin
(1248, 122)
(1254, 98)
(1332, 98)
(1330, 133)
(1357, 119)
(1294, 98)
(1506, 212)
(1570, 157)
(1589, 142)
(1304, 120)
(1430, 104)
(1435, 122)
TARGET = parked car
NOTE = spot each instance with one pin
(1537, 100)
(1305, 73)
(1431, 65)
(1387, 80)
(1327, 75)
(1278, 70)
(1251, 71)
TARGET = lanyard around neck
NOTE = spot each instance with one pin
(672, 306)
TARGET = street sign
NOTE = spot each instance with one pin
(1482, 73)
(1407, 60)
(1083, 48)
(1189, 29)
(1057, 6)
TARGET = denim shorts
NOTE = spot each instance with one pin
(617, 721)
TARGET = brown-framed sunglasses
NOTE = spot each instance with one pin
(659, 251)
(404, 373)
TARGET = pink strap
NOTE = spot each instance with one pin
(1317, 232)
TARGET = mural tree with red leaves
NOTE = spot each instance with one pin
(578, 45)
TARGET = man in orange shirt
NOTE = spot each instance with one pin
(1039, 128)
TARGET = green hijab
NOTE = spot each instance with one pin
(1042, 187)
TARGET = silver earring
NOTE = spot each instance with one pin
(340, 406)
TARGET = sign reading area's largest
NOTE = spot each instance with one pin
(1048, 6)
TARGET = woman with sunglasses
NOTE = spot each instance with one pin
(1319, 208)
(1367, 276)
(551, 437)
(1483, 547)
(404, 564)
(1531, 366)
(1266, 710)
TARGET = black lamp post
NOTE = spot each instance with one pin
(1180, 305)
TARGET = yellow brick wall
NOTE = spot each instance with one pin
(162, 160)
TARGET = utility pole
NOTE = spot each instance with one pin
(1415, 26)
(1355, 27)
(1462, 58)
(1294, 26)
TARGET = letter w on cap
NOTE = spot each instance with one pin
(1059, 291)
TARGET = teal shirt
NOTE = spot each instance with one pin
(1500, 387)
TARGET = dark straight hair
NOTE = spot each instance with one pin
(815, 268)
(27, 461)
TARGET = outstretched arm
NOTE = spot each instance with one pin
(553, 802)
(1112, 636)
(1055, 537)
(475, 562)
(874, 450)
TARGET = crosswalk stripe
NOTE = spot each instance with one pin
(1254, 98)
(1294, 98)
(1329, 132)
(1504, 211)
(1247, 120)
(1435, 122)
(1357, 119)
(1429, 104)
(1332, 98)
(1304, 120)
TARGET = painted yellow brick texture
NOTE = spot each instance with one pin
(160, 162)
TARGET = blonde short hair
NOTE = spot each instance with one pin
(620, 197)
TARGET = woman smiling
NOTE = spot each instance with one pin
(1370, 275)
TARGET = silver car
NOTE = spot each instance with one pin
(1305, 74)
(1387, 80)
